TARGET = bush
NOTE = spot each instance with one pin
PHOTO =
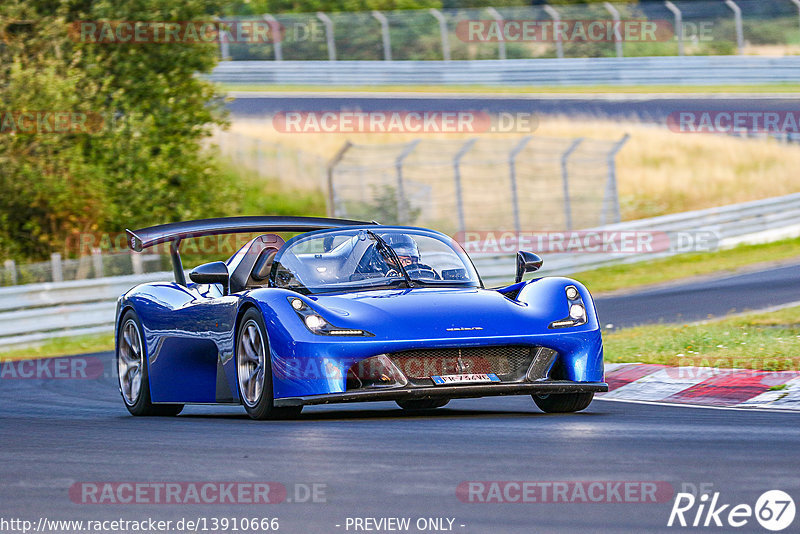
(145, 165)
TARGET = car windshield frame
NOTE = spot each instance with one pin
(472, 277)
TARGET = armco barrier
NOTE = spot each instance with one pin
(757, 221)
(35, 312)
(666, 70)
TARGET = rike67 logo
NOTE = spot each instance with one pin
(774, 510)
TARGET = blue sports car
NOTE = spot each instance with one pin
(348, 311)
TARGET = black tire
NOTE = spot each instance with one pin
(415, 405)
(563, 402)
(262, 405)
(138, 404)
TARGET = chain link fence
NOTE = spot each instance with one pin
(479, 184)
(515, 184)
(683, 27)
(452, 185)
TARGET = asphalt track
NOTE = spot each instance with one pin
(375, 461)
(645, 108)
(703, 299)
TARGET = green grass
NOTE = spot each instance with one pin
(61, 347)
(768, 341)
(620, 277)
(756, 88)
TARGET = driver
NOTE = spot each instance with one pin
(407, 252)
(405, 247)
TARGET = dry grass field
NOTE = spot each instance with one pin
(659, 171)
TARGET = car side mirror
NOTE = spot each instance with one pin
(211, 273)
(527, 262)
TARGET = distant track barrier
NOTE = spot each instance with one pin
(36, 312)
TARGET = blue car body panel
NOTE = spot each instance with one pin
(190, 332)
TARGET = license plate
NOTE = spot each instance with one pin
(462, 379)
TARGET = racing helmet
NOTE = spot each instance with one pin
(403, 245)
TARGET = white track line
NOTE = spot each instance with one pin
(681, 405)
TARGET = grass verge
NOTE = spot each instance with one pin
(768, 341)
(60, 347)
(621, 277)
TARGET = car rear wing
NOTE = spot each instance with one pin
(173, 233)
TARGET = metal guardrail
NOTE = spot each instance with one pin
(759, 220)
(687, 70)
(37, 312)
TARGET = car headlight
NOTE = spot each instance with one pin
(577, 310)
(314, 322)
(317, 324)
(572, 292)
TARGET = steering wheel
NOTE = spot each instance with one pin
(424, 270)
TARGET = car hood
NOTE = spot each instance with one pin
(430, 313)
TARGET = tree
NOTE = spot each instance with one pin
(142, 162)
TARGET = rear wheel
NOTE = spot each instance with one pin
(563, 402)
(134, 384)
(254, 371)
(421, 404)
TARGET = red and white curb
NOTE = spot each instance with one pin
(705, 386)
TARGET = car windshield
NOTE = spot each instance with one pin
(359, 259)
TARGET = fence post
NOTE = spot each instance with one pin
(565, 180)
(512, 171)
(462, 227)
(224, 42)
(501, 42)
(11, 268)
(443, 30)
(737, 18)
(275, 29)
(679, 24)
(57, 267)
(612, 196)
(326, 20)
(797, 4)
(402, 204)
(556, 16)
(387, 40)
(617, 21)
(331, 186)
(136, 263)
(97, 262)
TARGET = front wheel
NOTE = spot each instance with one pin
(413, 405)
(563, 402)
(254, 371)
(134, 383)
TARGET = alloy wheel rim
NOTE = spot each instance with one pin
(130, 362)
(250, 359)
